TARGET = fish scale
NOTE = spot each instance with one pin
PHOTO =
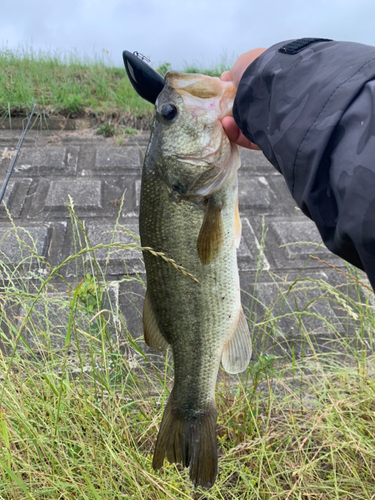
(189, 211)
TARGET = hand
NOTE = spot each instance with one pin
(241, 64)
(235, 74)
(235, 135)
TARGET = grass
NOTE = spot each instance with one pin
(65, 85)
(216, 69)
(71, 86)
(81, 397)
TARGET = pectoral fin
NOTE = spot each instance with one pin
(237, 352)
(210, 239)
(153, 336)
(237, 226)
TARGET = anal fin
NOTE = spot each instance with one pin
(210, 239)
(237, 351)
(153, 336)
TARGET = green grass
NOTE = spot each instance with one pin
(69, 85)
(81, 399)
(216, 69)
(65, 85)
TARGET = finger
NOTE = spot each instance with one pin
(235, 135)
(226, 76)
(243, 62)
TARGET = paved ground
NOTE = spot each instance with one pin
(97, 172)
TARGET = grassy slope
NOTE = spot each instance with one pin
(70, 86)
(65, 86)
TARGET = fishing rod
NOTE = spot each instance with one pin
(9, 173)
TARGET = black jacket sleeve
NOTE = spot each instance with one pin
(310, 106)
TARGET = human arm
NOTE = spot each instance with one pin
(312, 113)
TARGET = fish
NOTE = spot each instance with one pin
(189, 214)
(190, 229)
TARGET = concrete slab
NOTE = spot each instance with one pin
(85, 194)
(19, 245)
(59, 160)
(104, 178)
(122, 157)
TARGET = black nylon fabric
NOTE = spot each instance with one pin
(301, 44)
(313, 115)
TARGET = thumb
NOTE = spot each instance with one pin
(235, 135)
(227, 76)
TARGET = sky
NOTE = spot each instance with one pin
(200, 32)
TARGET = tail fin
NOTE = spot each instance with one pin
(189, 437)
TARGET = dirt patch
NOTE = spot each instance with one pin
(58, 122)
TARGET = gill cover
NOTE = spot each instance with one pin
(146, 81)
(196, 150)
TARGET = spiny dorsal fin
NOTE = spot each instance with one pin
(237, 226)
(210, 239)
(153, 336)
(237, 351)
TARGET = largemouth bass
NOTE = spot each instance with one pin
(189, 212)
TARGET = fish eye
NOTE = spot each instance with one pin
(168, 111)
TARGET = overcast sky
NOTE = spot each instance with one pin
(179, 32)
